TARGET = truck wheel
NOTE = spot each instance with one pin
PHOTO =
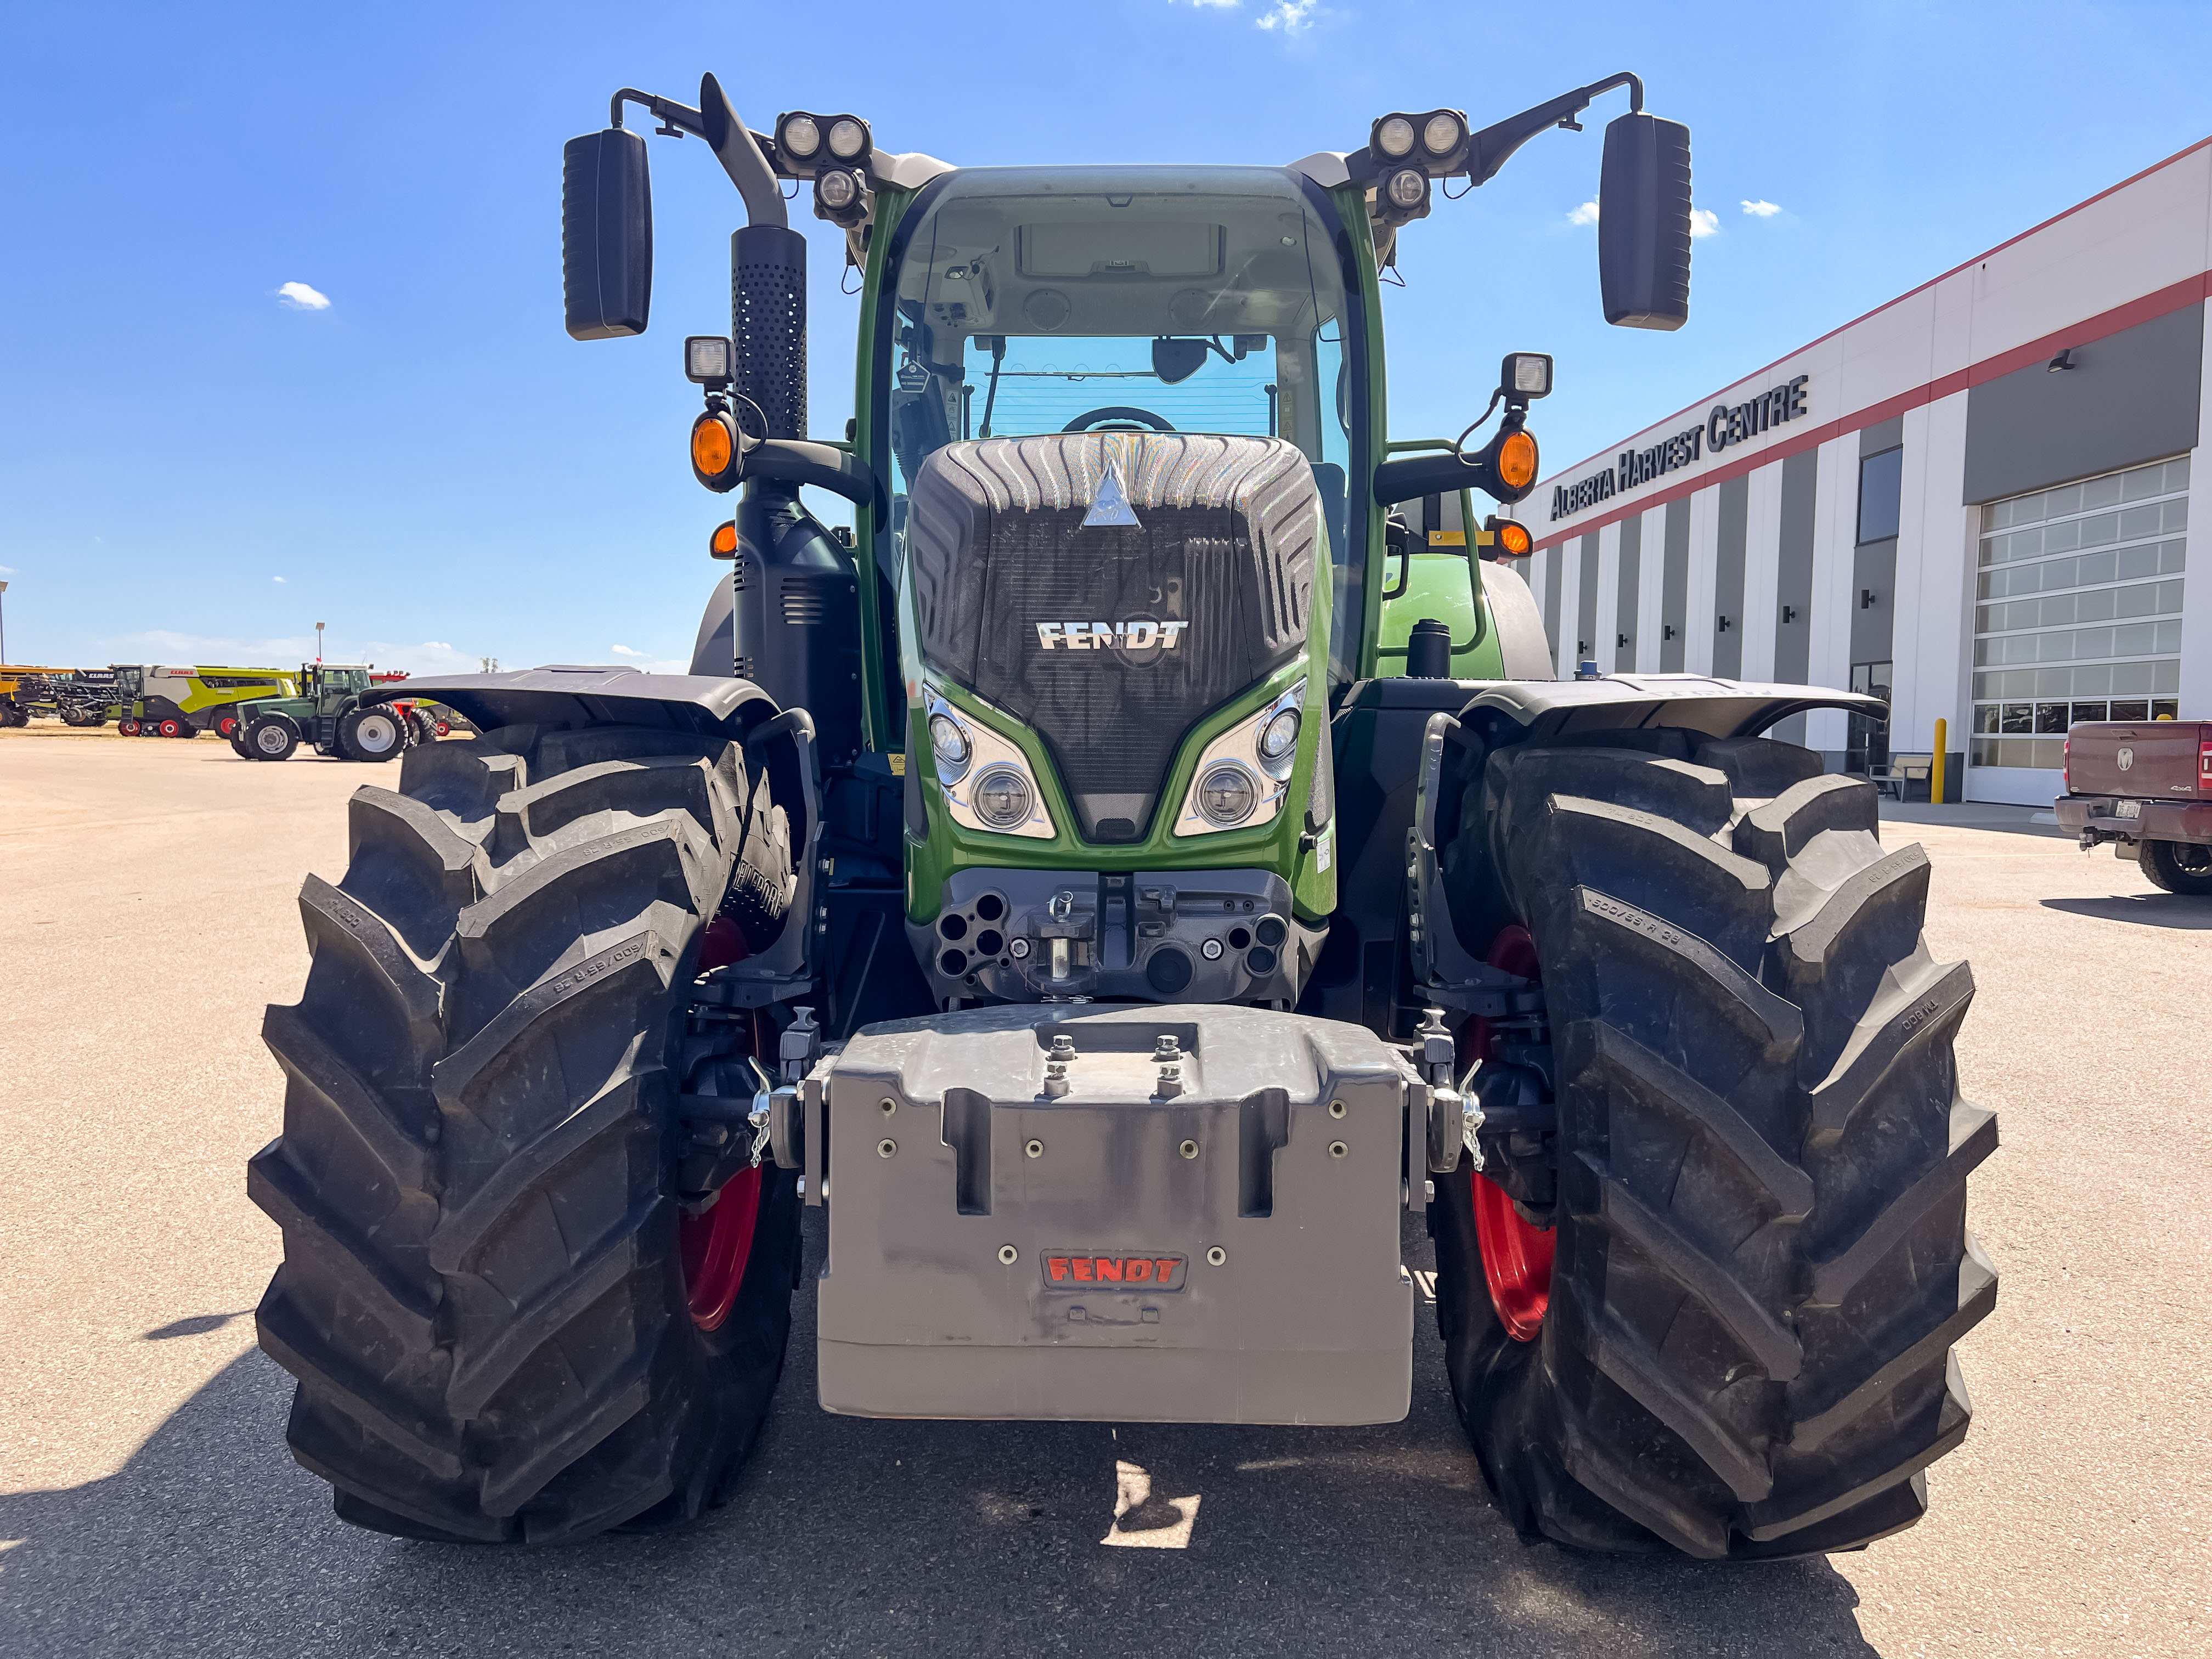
(271, 738)
(371, 734)
(1719, 1319)
(2179, 867)
(484, 1293)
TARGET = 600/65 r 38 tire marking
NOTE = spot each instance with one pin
(484, 1294)
(1762, 1157)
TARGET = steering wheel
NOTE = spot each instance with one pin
(1134, 417)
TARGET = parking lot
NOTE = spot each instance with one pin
(147, 1504)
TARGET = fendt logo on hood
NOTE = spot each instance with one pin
(1139, 635)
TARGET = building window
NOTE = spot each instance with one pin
(2079, 611)
(1867, 738)
(1881, 488)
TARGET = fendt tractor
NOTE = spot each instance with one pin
(1061, 883)
(333, 712)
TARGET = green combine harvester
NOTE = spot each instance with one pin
(1122, 918)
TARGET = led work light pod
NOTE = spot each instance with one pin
(1393, 137)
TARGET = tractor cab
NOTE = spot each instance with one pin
(329, 685)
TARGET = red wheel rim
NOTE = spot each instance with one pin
(226, 726)
(716, 1247)
(128, 728)
(1517, 1258)
(171, 728)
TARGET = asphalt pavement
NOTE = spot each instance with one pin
(148, 1506)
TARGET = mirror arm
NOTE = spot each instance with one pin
(746, 162)
(1495, 144)
(796, 460)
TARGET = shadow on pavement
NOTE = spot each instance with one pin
(2146, 910)
(851, 1536)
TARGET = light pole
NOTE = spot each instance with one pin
(319, 641)
(3, 626)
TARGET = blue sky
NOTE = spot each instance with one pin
(192, 467)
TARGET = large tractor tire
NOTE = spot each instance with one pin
(503, 1327)
(271, 737)
(1713, 1312)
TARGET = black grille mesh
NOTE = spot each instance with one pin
(1227, 543)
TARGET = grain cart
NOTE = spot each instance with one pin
(1063, 895)
(331, 712)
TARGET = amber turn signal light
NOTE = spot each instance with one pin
(1517, 461)
(723, 544)
(1513, 540)
(714, 449)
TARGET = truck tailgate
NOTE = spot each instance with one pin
(2155, 759)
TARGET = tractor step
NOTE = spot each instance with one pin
(1180, 1213)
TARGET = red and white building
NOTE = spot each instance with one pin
(1973, 500)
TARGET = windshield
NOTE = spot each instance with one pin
(1208, 300)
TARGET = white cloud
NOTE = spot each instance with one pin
(1291, 16)
(1704, 222)
(1584, 214)
(300, 297)
(7, 569)
(276, 579)
(1762, 209)
(624, 651)
(1211, 5)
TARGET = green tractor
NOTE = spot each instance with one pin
(1074, 884)
(333, 713)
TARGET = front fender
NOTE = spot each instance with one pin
(1542, 711)
(572, 697)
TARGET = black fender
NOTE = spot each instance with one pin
(699, 705)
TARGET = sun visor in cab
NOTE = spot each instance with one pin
(1111, 639)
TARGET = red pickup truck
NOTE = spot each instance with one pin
(2145, 786)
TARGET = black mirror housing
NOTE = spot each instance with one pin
(606, 234)
(1643, 223)
(1177, 360)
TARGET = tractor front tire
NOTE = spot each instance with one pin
(1759, 1262)
(484, 1295)
(271, 737)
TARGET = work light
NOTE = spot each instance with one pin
(706, 359)
(1441, 132)
(1394, 136)
(798, 135)
(848, 137)
(838, 189)
(1526, 374)
(1408, 190)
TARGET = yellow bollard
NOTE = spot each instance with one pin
(1935, 771)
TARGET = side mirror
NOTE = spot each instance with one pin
(606, 234)
(1643, 223)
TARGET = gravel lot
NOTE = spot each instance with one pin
(148, 1504)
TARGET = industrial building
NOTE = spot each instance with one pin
(1972, 501)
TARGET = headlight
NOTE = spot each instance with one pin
(1226, 794)
(951, 745)
(1244, 773)
(1003, 797)
(1395, 136)
(847, 138)
(1441, 135)
(985, 775)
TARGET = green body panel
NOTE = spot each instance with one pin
(1445, 585)
(321, 691)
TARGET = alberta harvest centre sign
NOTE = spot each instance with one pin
(1727, 424)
